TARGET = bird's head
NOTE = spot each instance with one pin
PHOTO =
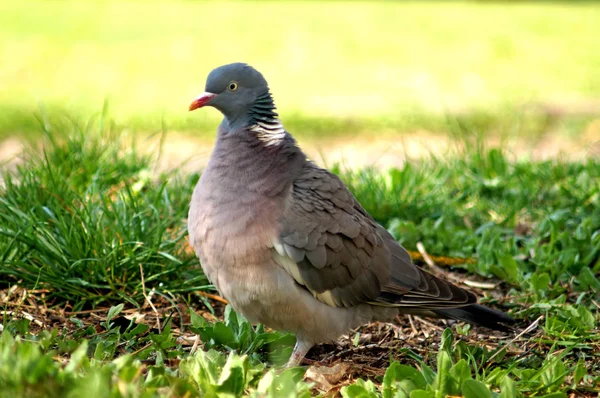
(233, 89)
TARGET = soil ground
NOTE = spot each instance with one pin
(190, 154)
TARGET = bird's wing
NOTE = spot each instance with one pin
(331, 246)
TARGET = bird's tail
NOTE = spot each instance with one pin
(479, 315)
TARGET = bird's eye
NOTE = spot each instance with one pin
(233, 86)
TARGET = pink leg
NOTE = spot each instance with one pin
(300, 350)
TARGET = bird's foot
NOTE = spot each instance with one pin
(300, 350)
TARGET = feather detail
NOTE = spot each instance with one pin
(264, 121)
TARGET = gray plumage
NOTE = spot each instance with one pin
(287, 244)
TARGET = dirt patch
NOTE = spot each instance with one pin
(190, 154)
(184, 152)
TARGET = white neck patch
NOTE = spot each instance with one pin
(269, 133)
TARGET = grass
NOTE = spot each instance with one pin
(335, 67)
(98, 284)
(83, 219)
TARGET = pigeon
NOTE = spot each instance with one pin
(287, 244)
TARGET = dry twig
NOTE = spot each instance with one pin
(213, 297)
(526, 330)
(429, 261)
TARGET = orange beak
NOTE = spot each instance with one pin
(202, 100)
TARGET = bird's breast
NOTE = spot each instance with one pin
(232, 230)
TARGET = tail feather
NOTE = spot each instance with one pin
(479, 315)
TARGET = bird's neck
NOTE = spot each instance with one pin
(264, 121)
(260, 120)
(256, 158)
(255, 152)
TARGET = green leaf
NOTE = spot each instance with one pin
(18, 327)
(507, 388)
(586, 316)
(232, 379)
(99, 351)
(428, 373)
(422, 394)
(588, 281)
(475, 389)
(197, 321)
(460, 371)
(224, 335)
(266, 382)
(554, 372)
(555, 395)
(443, 381)
(540, 282)
(112, 312)
(170, 257)
(203, 368)
(580, 372)
(447, 340)
(402, 378)
(139, 328)
(360, 389)
(287, 383)
(79, 358)
(509, 267)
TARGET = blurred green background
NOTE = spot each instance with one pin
(334, 67)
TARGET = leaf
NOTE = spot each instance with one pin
(112, 312)
(79, 358)
(360, 389)
(99, 351)
(18, 327)
(460, 371)
(224, 335)
(287, 383)
(540, 282)
(400, 377)
(231, 318)
(443, 380)
(422, 394)
(204, 369)
(428, 373)
(507, 388)
(553, 372)
(588, 280)
(579, 373)
(232, 379)
(585, 316)
(197, 320)
(266, 381)
(475, 389)
(356, 339)
(555, 395)
(354, 391)
(510, 268)
(139, 328)
(447, 340)
(170, 257)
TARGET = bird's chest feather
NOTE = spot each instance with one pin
(232, 231)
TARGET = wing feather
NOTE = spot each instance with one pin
(330, 245)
